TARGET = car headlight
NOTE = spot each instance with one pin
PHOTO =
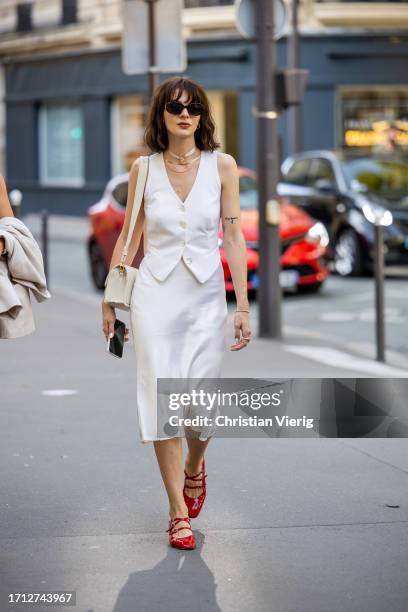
(318, 234)
(373, 211)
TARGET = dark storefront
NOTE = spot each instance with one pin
(73, 121)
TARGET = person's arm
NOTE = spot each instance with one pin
(234, 244)
(5, 207)
(108, 312)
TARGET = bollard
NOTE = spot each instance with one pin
(379, 289)
(44, 240)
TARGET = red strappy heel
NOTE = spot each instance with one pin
(187, 542)
(194, 504)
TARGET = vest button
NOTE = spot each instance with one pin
(183, 242)
(188, 260)
(183, 223)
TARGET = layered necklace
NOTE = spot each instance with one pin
(181, 160)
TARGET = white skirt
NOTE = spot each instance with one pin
(179, 330)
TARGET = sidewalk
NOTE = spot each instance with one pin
(289, 525)
(61, 227)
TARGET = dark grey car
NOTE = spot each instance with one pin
(347, 191)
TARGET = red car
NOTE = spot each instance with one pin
(304, 253)
(303, 241)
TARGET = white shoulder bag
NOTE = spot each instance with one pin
(120, 280)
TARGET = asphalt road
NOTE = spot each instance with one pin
(341, 315)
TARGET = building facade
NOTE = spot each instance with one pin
(71, 118)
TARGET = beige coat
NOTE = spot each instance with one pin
(21, 270)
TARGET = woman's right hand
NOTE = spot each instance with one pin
(108, 320)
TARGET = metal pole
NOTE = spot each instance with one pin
(153, 74)
(295, 112)
(44, 240)
(269, 291)
(379, 291)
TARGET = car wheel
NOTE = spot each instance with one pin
(98, 268)
(348, 258)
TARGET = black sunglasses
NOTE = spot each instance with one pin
(194, 108)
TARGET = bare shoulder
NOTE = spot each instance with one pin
(134, 168)
(227, 166)
(226, 161)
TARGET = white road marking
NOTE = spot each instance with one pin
(391, 315)
(181, 562)
(339, 359)
(59, 392)
(338, 316)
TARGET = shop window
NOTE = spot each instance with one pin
(128, 121)
(224, 108)
(371, 117)
(61, 140)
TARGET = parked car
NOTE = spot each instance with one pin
(303, 241)
(346, 191)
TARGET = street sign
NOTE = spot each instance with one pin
(290, 86)
(245, 18)
(170, 47)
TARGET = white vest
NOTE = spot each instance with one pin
(186, 230)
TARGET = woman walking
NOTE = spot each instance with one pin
(178, 308)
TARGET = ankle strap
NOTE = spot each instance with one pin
(173, 522)
(177, 519)
(196, 476)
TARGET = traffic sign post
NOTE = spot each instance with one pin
(265, 21)
(152, 38)
(269, 290)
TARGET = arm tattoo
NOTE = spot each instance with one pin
(231, 219)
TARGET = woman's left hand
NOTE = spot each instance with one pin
(242, 329)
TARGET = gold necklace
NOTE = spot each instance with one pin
(182, 158)
(168, 162)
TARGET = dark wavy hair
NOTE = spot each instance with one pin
(155, 134)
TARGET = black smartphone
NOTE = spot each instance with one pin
(115, 344)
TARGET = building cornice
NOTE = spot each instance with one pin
(354, 14)
(214, 24)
